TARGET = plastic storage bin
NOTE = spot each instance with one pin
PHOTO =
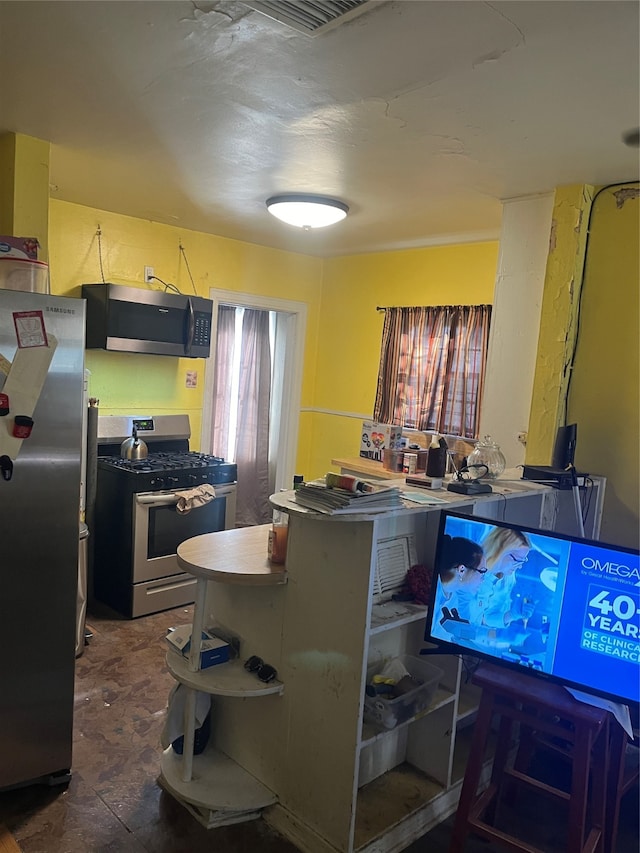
(389, 713)
(22, 274)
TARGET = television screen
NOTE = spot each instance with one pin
(561, 607)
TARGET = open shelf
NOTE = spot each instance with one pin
(393, 614)
(372, 733)
(217, 783)
(391, 799)
(468, 701)
(223, 679)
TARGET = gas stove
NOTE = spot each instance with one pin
(171, 470)
(138, 526)
(169, 464)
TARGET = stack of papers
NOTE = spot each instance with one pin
(332, 501)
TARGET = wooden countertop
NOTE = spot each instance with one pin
(367, 467)
(231, 556)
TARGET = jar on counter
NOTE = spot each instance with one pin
(409, 463)
(487, 452)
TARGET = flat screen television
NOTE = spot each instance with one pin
(563, 608)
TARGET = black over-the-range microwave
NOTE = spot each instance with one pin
(130, 319)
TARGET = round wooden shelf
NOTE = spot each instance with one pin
(224, 679)
(232, 556)
(218, 783)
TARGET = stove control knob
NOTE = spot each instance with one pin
(191, 478)
(173, 481)
(157, 483)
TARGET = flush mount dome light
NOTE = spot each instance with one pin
(307, 211)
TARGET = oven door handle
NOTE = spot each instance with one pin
(169, 498)
(157, 500)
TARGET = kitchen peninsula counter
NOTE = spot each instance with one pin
(339, 784)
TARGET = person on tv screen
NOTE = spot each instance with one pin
(461, 571)
(506, 550)
(487, 613)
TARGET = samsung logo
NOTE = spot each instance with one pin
(54, 309)
(610, 568)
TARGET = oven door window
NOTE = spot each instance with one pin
(168, 527)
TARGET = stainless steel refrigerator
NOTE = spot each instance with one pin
(41, 409)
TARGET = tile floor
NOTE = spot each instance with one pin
(113, 803)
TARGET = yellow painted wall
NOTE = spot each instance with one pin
(350, 328)
(24, 188)
(558, 319)
(604, 390)
(146, 384)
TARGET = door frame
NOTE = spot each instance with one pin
(296, 313)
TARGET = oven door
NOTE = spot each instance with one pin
(158, 528)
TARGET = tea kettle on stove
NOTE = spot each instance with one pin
(133, 448)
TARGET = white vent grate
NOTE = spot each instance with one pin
(311, 17)
(394, 558)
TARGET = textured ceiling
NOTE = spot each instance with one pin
(422, 116)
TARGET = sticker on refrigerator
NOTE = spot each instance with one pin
(30, 329)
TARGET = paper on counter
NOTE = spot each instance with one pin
(619, 711)
(422, 498)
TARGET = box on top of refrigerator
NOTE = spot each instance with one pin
(378, 437)
(25, 248)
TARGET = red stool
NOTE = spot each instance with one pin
(543, 710)
(623, 775)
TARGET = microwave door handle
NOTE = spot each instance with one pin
(191, 326)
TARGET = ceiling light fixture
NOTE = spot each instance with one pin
(307, 211)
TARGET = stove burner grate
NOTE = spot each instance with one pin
(164, 461)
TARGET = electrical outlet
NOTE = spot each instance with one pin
(522, 437)
(148, 274)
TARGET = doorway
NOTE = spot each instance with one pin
(236, 377)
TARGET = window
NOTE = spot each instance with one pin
(432, 368)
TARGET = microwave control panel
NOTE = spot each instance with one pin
(202, 329)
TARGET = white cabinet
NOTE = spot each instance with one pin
(347, 786)
(329, 781)
(215, 786)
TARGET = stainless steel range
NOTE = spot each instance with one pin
(137, 523)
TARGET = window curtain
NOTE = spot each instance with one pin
(225, 344)
(432, 368)
(251, 441)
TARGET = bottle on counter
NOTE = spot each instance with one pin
(277, 541)
(437, 457)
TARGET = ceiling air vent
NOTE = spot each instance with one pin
(311, 17)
